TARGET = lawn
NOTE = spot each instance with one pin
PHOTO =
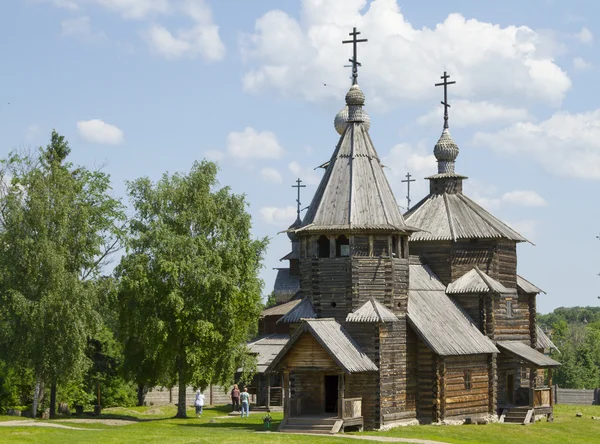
(156, 425)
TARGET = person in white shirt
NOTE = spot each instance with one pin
(199, 403)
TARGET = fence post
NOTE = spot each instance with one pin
(555, 393)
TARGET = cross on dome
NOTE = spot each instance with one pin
(354, 59)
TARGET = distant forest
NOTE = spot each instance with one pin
(576, 333)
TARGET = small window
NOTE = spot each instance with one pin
(342, 246)
(509, 308)
(360, 246)
(333, 305)
(467, 378)
(323, 244)
(380, 247)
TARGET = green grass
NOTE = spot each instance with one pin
(157, 425)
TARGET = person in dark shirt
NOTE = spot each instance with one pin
(235, 398)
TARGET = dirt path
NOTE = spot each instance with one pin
(56, 424)
(39, 424)
(374, 438)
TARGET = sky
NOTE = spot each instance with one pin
(144, 87)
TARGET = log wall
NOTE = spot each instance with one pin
(515, 327)
(365, 386)
(436, 255)
(307, 388)
(506, 364)
(459, 400)
(427, 384)
(268, 325)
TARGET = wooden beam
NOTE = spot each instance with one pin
(286, 394)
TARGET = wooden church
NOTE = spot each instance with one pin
(385, 317)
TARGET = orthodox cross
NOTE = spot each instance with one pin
(408, 181)
(298, 182)
(445, 84)
(354, 59)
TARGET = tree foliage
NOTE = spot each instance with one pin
(189, 289)
(576, 333)
(58, 226)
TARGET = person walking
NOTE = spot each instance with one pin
(235, 398)
(199, 403)
(245, 398)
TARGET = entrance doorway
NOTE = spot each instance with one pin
(510, 388)
(331, 393)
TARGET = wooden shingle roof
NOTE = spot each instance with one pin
(439, 321)
(372, 311)
(454, 216)
(476, 281)
(543, 341)
(304, 310)
(527, 353)
(286, 285)
(266, 348)
(354, 193)
(336, 341)
(280, 309)
(528, 287)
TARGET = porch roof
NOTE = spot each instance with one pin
(266, 348)
(334, 339)
(372, 311)
(527, 353)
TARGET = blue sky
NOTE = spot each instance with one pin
(141, 87)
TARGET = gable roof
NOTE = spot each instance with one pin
(438, 320)
(344, 350)
(527, 353)
(372, 311)
(455, 216)
(266, 348)
(354, 193)
(543, 341)
(280, 309)
(301, 311)
(476, 281)
(527, 287)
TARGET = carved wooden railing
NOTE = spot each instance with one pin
(540, 397)
(351, 408)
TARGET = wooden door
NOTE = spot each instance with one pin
(510, 388)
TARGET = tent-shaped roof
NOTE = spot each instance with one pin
(286, 285)
(454, 216)
(476, 281)
(439, 321)
(266, 348)
(372, 311)
(527, 353)
(304, 310)
(527, 287)
(335, 340)
(354, 193)
(543, 341)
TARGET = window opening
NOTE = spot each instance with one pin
(509, 308)
(323, 244)
(467, 379)
(360, 246)
(342, 246)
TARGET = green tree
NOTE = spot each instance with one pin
(190, 292)
(58, 227)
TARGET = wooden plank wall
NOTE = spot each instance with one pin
(308, 353)
(309, 387)
(412, 376)
(268, 325)
(426, 381)
(393, 367)
(517, 327)
(436, 255)
(577, 397)
(460, 401)
(366, 385)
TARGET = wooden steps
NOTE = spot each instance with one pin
(324, 426)
(517, 415)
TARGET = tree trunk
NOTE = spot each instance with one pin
(53, 400)
(141, 394)
(35, 397)
(181, 413)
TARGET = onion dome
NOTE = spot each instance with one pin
(291, 235)
(340, 121)
(446, 152)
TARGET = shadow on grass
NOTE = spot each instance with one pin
(253, 427)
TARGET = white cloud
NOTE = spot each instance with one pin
(136, 9)
(526, 198)
(98, 131)
(270, 175)
(401, 62)
(308, 174)
(585, 36)
(565, 145)
(278, 216)
(580, 65)
(66, 4)
(466, 113)
(250, 144)
(201, 39)
(80, 27)
(405, 158)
